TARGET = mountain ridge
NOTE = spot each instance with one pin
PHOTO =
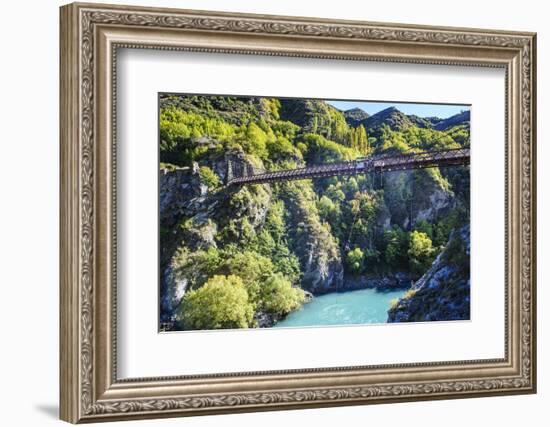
(399, 121)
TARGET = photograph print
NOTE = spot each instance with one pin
(286, 212)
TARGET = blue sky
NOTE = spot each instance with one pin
(423, 110)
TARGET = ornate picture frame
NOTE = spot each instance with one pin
(90, 37)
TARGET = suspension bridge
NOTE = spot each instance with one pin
(241, 173)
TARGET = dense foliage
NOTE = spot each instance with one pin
(221, 303)
(256, 250)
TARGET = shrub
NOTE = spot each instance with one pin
(252, 268)
(455, 253)
(328, 210)
(394, 142)
(428, 139)
(322, 150)
(396, 243)
(248, 200)
(176, 123)
(255, 140)
(168, 167)
(354, 260)
(420, 252)
(179, 130)
(281, 148)
(209, 177)
(196, 267)
(424, 227)
(410, 293)
(274, 247)
(335, 193)
(222, 303)
(436, 177)
(285, 129)
(273, 105)
(278, 296)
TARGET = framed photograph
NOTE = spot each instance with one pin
(267, 212)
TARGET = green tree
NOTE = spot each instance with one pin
(396, 245)
(394, 142)
(328, 210)
(424, 227)
(420, 252)
(272, 243)
(252, 268)
(255, 141)
(354, 260)
(277, 295)
(335, 193)
(352, 138)
(323, 150)
(280, 148)
(358, 139)
(339, 129)
(362, 140)
(221, 303)
(195, 267)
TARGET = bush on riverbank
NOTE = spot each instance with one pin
(221, 303)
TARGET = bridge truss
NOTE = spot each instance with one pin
(240, 173)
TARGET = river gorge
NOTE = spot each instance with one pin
(366, 248)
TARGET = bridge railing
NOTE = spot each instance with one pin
(382, 162)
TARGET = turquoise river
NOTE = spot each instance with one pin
(343, 308)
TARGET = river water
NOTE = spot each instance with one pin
(343, 308)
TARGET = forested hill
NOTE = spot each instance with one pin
(280, 241)
(398, 121)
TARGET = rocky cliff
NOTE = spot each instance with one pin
(312, 241)
(414, 196)
(443, 292)
(182, 196)
(195, 219)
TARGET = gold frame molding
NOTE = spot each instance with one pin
(90, 37)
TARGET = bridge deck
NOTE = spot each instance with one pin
(381, 163)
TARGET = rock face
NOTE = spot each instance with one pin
(181, 194)
(443, 292)
(179, 189)
(173, 289)
(315, 246)
(429, 197)
(388, 282)
(191, 217)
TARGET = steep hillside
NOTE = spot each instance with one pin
(459, 119)
(390, 117)
(355, 116)
(315, 116)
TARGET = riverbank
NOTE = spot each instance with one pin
(361, 300)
